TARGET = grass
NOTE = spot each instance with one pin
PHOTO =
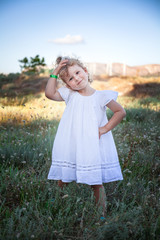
(34, 208)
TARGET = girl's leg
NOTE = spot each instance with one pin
(61, 184)
(100, 197)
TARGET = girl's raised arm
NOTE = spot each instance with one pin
(51, 87)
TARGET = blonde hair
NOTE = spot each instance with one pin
(72, 61)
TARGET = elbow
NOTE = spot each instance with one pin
(47, 94)
(123, 113)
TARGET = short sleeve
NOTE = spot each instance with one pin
(64, 92)
(107, 96)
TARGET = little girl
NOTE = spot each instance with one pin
(84, 149)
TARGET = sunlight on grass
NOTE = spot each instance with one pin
(40, 107)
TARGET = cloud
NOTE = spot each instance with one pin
(68, 39)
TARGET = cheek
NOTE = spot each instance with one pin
(71, 84)
(81, 75)
(85, 75)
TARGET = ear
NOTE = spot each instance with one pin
(85, 69)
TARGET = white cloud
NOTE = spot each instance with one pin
(68, 39)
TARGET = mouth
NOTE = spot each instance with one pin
(79, 82)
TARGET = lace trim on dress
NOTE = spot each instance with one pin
(85, 168)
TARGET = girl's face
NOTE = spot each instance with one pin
(77, 78)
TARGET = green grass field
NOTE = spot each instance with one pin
(33, 207)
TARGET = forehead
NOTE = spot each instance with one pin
(73, 69)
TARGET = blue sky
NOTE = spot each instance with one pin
(125, 31)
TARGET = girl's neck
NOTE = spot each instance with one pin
(87, 91)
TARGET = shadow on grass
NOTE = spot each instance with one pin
(150, 89)
(138, 115)
(20, 85)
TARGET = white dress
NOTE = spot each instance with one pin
(78, 154)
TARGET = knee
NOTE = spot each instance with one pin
(61, 184)
(94, 187)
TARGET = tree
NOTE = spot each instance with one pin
(33, 65)
(25, 63)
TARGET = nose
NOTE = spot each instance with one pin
(77, 78)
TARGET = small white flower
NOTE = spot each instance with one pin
(127, 171)
(97, 223)
(65, 196)
(18, 235)
(128, 184)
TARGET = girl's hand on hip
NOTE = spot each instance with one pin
(102, 130)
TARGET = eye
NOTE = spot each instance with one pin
(70, 79)
(77, 72)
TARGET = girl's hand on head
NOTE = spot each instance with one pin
(60, 65)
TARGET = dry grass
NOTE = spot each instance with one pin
(22, 111)
(130, 86)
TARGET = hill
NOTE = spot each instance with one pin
(23, 85)
(119, 69)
